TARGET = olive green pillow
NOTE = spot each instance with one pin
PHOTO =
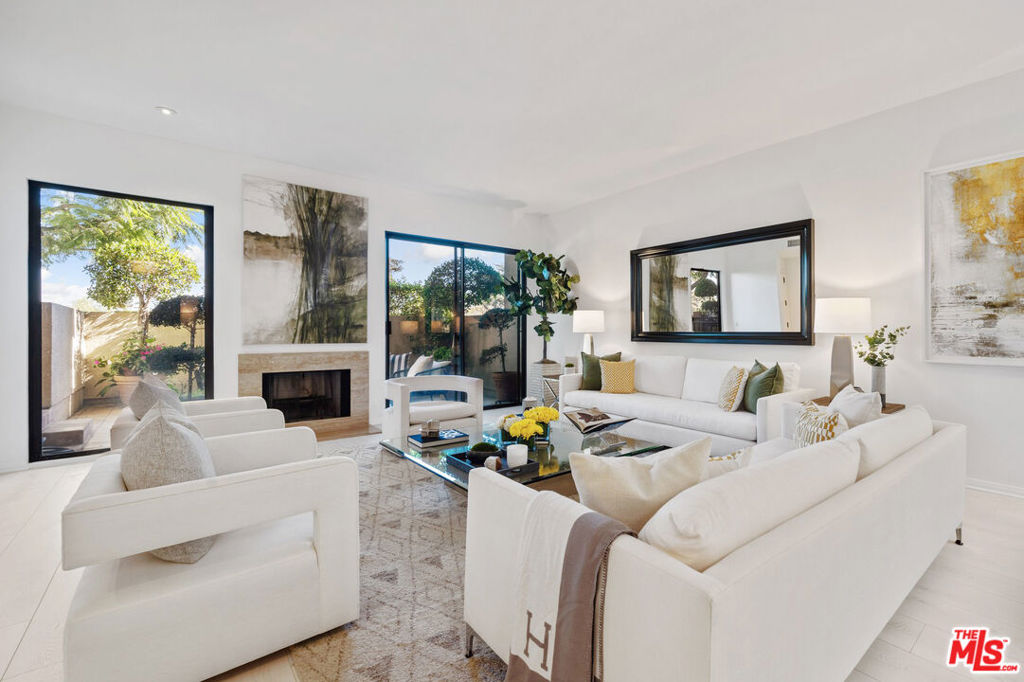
(592, 369)
(762, 382)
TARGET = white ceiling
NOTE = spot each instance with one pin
(538, 103)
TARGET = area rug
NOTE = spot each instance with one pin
(412, 532)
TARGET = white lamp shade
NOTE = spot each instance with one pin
(588, 321)
(842, 315)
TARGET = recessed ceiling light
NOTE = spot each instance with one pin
(166, 111)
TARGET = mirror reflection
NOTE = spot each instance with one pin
(753, 287)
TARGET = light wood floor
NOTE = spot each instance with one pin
(981, 583)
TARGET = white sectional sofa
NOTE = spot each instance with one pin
(677, 402)
(800, 603)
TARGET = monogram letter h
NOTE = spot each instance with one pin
(542, 644)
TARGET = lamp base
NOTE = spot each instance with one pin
(588, 343)
(842, 365)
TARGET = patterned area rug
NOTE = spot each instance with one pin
(412, 532)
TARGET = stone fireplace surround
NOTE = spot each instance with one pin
(251, 367)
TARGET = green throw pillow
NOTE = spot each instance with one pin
(762, 382)
(592, 369)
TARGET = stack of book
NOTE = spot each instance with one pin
(445, 439)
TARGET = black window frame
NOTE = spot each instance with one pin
(35, 286)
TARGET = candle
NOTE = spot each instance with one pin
(517, 455)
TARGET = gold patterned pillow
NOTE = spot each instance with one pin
(723, 464)
(617, 377)
(730, 394)
(816, 424)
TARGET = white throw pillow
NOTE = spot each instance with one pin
(632, 489)
(856, 407)
(162, 452)
(422, 364)
(816, 424)
(148, 392)
(703, 524)
(883, 440)
(660, 374)
(704, 378)
(730, 394)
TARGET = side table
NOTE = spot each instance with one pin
(890, 408)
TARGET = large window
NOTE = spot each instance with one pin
(447, 314)
(119, 286)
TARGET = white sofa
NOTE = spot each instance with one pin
(403, 414)
(284, 568)
(800, 603)
(214, 417)
(677, 402)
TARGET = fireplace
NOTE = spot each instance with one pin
(309, 395)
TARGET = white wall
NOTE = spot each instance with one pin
(39, 146)
(862, 183)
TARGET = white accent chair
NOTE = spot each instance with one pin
(285, 566)
(215, 417)
(403, 414)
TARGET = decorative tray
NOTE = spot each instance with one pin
(461, 461)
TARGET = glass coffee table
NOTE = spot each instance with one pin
(553, 459)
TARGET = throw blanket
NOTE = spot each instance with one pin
(560, 595)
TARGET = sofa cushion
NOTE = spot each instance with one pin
(422, 364)
(856, 407)
(704, 378)
(632, 489)
(592, 369)
(883, 440)
(617, 377)
(421, 411)
(730, 393)
(161, 452)
(770, 449)
(816, 424)
(148, 392)
(761, 384)
(690, 414)
(661, 375)
(703, 524)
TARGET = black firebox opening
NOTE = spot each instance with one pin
(305, 396)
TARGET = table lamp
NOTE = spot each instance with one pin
(842, 317)
(588, 323)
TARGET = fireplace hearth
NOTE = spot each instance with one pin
(309, 395)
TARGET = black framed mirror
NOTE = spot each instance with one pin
(751, 286)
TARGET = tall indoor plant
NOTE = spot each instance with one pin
(551, 295)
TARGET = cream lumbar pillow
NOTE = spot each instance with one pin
(815, 424)
(618, 377)
(730, 395)
(148, 392)
(632, 489)
(856, 407)
(703, 524)
(161, 452)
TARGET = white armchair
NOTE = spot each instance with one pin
(402, 413)
(285, 566)
(215, 417)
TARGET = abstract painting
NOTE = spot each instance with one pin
(975, 229)
(304, 268)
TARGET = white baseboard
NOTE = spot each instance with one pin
(992, 487)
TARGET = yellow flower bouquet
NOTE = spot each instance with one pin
(525, 431)
(543, 416)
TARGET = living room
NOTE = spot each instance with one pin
(475, 154)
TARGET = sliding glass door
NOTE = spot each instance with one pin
(447, 314)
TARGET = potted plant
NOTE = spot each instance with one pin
(125, 368)
(506, 384)
(552, 294)
(877, 351)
